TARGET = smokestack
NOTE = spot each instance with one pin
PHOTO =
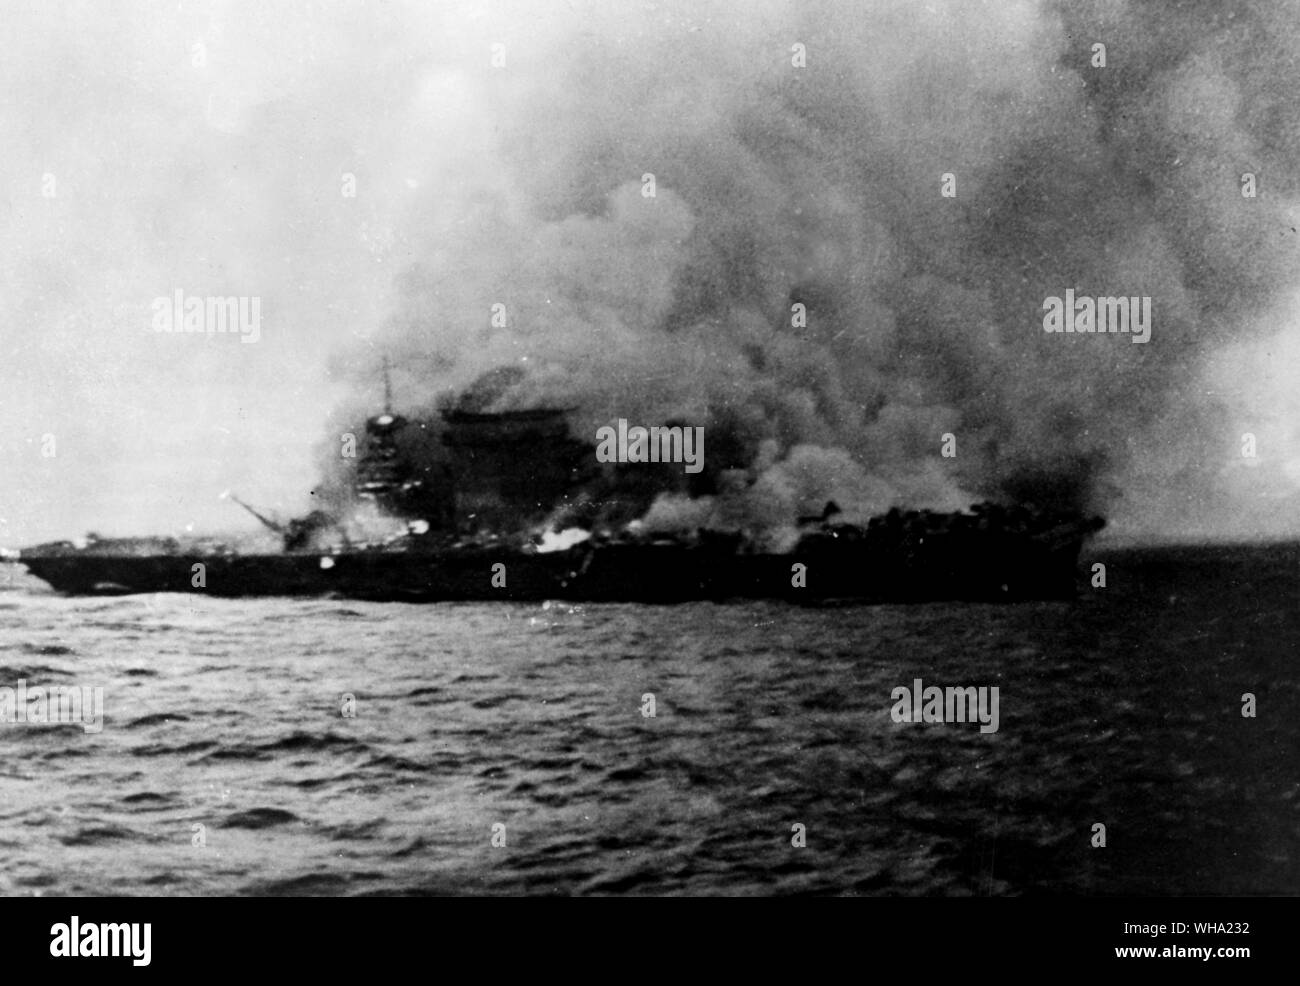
(828, 236)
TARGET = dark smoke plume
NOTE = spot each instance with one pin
(777, 185)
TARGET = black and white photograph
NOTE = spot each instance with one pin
(651, 448)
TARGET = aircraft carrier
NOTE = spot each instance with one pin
(464, 526)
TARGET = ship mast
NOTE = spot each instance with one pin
(380, 473)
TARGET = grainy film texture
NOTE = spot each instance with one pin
(648, 448)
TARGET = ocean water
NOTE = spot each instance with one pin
(225, 764)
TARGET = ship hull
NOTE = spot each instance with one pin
(614, 573)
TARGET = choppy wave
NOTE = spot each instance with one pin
(287, 748)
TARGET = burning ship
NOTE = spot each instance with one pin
(477, 523)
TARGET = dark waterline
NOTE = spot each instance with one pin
(1121, 708)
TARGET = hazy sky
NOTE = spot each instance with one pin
(199, 147)
(210, 147)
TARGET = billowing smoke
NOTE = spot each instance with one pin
(646, 196)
